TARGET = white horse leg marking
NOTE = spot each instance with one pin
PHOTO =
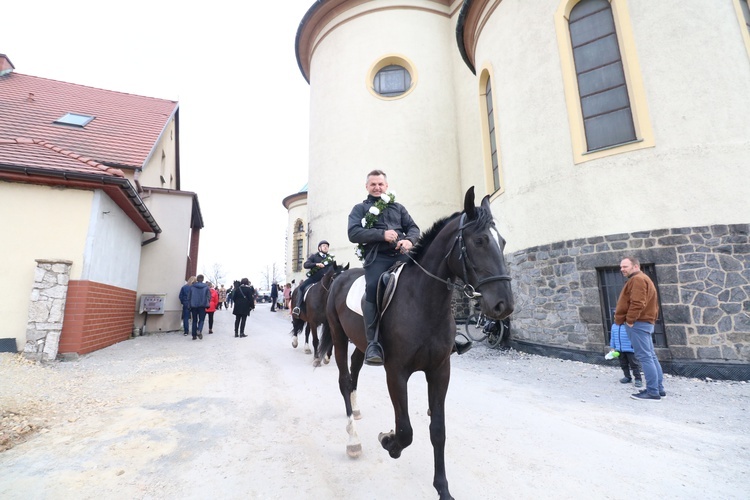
(354, 447)
(355, 407)
(307, 348)
(294, 341)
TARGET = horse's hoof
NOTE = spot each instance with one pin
(327, 360)
(384, 435)
(307, 349)
(357, 414)
(294, 342)
(354, 450)
(316, 362)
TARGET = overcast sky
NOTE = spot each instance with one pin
(243, 101)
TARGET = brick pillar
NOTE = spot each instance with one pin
(195, 238)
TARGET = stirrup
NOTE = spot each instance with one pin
(296, 311)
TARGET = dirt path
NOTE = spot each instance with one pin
(162, 416)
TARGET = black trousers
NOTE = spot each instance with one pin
(374, 269)
(239, 322)
(628, 362)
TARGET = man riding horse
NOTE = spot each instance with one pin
(314, 263)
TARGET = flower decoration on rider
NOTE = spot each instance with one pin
(330, 259)
(371, 217)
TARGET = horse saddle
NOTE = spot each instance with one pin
(307, 290)
(386, 288)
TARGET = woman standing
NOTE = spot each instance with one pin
(244, 302)
(287, 295)
(222, 297)
(212, 306)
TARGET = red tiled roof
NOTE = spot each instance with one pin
(123, 132)
(43, 155)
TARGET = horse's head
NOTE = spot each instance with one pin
(478, 259)
(331, 272)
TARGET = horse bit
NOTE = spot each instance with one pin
(468, 290)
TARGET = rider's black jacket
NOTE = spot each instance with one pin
(393, 217)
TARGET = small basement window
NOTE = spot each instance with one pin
(74, 119)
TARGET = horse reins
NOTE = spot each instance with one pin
(468, 290)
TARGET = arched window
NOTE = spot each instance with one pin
(493, 172)
(604, 92)
(745, 14)
(491, 134)
(298, 255)
(605, 103)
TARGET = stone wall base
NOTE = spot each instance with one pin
(679, 367)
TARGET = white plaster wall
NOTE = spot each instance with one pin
(163, 262)
(36, 226)
(113, 245)
(696, 74)
(413, 139)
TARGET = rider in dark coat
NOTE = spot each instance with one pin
(391, 236)
(315, 263)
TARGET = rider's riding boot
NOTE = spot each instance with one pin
(300, 300)
(461, 348)
(374, 351)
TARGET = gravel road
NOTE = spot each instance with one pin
(162, 416)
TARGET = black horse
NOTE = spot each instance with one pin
(417, 328)
(313, 313)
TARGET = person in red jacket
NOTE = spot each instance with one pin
(637, 308)
(211, 309)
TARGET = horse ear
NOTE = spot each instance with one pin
(469, 208)
(346, 267)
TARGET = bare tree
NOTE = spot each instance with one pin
(269, 276)
(215, 275)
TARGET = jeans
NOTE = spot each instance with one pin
(186, 319)
(643, 345)
(199, 317)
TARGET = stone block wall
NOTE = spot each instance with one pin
(703, 277)
(46, 307)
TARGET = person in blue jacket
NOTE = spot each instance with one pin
(185, 301)
(620, 342)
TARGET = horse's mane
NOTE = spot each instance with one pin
(429, 236)
(484, 219)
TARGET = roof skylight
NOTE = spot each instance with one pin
(75, 119)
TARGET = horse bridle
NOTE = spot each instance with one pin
(467, 289)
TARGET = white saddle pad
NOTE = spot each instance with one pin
(354, 297)
(357, 291)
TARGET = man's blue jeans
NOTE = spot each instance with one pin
(186, 319)
(643, 345)
(199, 317)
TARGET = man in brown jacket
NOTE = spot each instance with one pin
(638, 308)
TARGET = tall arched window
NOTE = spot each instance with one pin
(605, 103)
(299, 246)
(745, 13)
(491, 134)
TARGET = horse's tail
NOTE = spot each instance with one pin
(297, 326)
(326, 340)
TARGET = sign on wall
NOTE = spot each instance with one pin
(153, 303)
